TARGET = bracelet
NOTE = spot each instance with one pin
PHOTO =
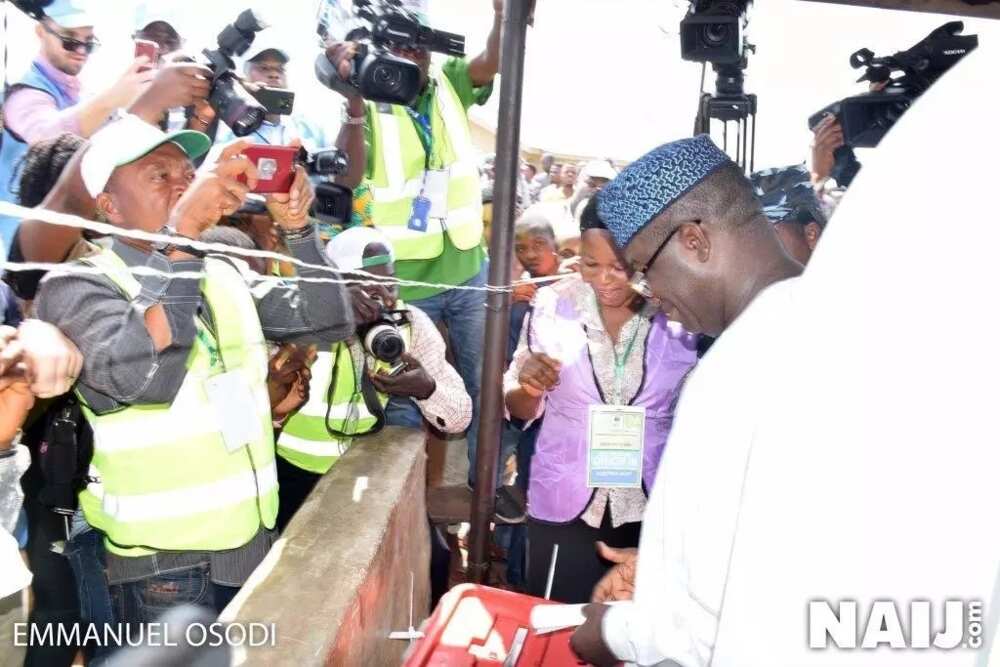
(348, 119)
(296, 234)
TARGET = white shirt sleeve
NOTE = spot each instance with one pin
(690, 521)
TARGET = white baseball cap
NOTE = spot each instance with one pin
(347, 249)
(70, 14)
(126, 140)
(600, 169)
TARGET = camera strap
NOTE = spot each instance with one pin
(365, 392)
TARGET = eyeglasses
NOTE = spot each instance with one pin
(71, 44)
(639, 282)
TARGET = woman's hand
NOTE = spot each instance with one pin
(539, 374)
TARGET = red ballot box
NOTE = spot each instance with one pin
(478, 625)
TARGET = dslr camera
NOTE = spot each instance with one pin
(866, 118)
(382, 338)
(379, 27)
(233, 103)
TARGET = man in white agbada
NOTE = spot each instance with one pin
(839, 442)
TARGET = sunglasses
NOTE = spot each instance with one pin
(639, 282)
(71, 44)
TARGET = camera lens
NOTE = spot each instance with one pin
(384, 343)
(716, 34)
(387, 77)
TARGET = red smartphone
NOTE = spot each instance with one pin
(275, 167)
(144, 47)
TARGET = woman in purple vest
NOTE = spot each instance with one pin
(591, 341)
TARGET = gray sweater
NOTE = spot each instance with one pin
(122, 367)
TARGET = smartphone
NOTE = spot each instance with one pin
(144, 47)
(277, 101)
(275, 167)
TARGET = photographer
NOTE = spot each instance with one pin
(267, 65)
(184, 484)
(345, 380)
(435, 147)
(62, 189)
(46, 101)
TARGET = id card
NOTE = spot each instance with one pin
(615, 436)
(419, 214)
(234, 407)
(436, 189)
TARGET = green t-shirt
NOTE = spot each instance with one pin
(452, 266)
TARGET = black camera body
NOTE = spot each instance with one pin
(865, 119)
(232, 102)
(334, 203)
(712, 32)
(376, 74)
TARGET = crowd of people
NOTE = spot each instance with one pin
(168, 407)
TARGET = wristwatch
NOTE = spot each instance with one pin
(165, 247)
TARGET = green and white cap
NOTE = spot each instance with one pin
(347, 249)
(127, 139)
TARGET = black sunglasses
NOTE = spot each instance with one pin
(71, 44)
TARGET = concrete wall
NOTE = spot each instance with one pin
(338, 581)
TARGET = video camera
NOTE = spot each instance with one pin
(379, 27)
(865, 119)
(714, 32)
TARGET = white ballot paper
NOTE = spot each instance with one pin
(548, 618)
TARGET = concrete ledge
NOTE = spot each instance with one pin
(338, 581)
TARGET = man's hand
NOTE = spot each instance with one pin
(828, 137)
(588, 641)
(288, 377)
(291, 210)
(367, 301)
(51, 361)
(413, 381)
(215, 192)
(11, 352)
(619, 582)
(176, 84)
(131, 84)
(340, 55)
(539, 374)
(16, 400)
(524, 293)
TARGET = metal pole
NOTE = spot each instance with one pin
(515, 28)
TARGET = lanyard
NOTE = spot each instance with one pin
(426, 136)
(620, 366)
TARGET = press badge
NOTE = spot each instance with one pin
(615, 436)
(234, 407)
(436, 189)
(419, 214)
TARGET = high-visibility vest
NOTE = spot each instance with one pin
(305, 441)
(162, 477)
(399, 164)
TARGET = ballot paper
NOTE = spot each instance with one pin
(548, 618)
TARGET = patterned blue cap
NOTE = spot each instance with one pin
(651, 184)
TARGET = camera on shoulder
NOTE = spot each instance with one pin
(379, 27)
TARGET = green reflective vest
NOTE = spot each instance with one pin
(399, 164)
(163, 477)
(305, 441)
